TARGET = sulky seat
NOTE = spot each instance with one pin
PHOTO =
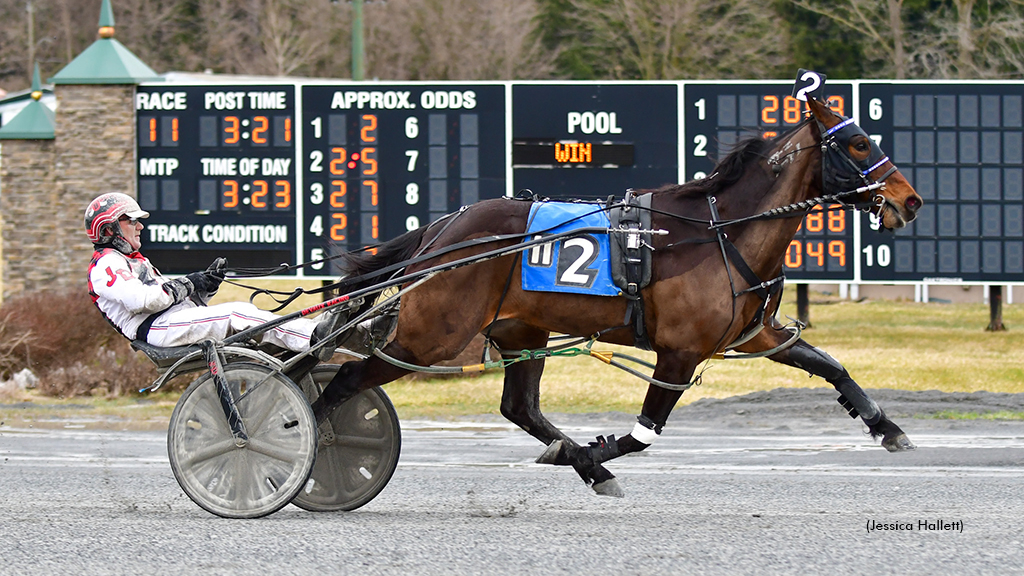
(163, 357)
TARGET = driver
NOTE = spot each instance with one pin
(143, 305)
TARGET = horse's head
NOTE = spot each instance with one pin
(850, 160)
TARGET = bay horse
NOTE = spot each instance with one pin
(695, 304)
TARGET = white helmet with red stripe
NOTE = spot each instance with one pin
(102, 215)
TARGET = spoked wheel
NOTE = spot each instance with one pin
(358, 451)
(242, 479)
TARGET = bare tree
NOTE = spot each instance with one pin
(454, 40)
(880, 21)
(288, 37)
(152, 29)
(47, 42)
(981, 40)
(268, 37)
(654, 39)
(964, 36)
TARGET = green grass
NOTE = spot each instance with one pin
(30, 409)
(883, 344)
(997, 415)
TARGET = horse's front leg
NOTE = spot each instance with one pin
(851, 396)
(673, 367)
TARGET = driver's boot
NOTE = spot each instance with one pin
(329, 322)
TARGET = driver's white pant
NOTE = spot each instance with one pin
(193, 324)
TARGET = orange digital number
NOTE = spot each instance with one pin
(338, 230)
(338, 160)
(837, 249)
(230, 194)
(174, 129)
(794, 254)
(259, 193)
(836, 218)
(791, 110)
(769, 134)
(152, 129)
(771, 108)
(837, 104)
(288, 129)
(370, 164)
(816, 250)
(262, 127)
(232, 129)
(338, 191)
(283, 192)
(816, 220)
(372, 185)
(365, 133)
(373, 227)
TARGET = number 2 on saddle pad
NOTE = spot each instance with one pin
(576, 265)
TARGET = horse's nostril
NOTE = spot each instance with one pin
(913, 203)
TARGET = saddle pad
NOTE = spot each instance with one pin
(576, 265)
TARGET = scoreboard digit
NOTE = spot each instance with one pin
(717, 116)
(379, 161)
(216, 171)
(961, 146)
(594, 140)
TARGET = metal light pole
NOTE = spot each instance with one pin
(357, 40)
(31, 37)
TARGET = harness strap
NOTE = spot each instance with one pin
(143, 330)
(497, 311)
(757, 286)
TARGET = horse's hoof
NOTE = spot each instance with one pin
(898, 443)
(609, 487)
(550, 456)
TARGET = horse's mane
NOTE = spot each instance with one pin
(730, 169)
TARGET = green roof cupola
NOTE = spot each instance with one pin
(106, 61)
(35, 121)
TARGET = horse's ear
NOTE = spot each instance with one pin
(823, 113)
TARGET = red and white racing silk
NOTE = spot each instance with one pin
(128, 290)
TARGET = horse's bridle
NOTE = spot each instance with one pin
(840, 171)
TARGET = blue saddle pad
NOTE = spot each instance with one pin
(578, 264)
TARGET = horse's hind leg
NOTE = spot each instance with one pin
(520, 404)
(851, 396)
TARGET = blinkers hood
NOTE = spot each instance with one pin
(840, 171)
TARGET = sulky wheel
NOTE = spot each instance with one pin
(242, 479)
(358, 451)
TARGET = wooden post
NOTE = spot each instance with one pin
(995, 306)
(803, 308)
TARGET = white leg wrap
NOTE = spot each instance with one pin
(643, 434)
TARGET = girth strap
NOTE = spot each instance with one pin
(756, 285)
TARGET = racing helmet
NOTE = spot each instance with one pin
(102, 215)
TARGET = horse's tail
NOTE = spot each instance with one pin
(355, 266)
